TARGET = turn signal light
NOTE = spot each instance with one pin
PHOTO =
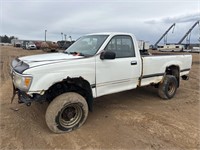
(27, 81)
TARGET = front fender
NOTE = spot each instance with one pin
(47, 75)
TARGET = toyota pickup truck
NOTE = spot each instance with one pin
(95, 65)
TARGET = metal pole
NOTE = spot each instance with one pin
(188, 32)
(62, 36)
(164, 34)
(70, 38)
(65, 37)
(45, 35)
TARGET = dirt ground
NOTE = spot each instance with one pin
(135, 119)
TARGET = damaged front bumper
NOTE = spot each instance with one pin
(23, 97)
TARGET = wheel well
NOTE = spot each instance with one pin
(175, 71)
(78, 85)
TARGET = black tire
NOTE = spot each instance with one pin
(167, 88)
(66, 112)
(52, 50)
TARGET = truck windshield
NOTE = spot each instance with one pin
(87, 45)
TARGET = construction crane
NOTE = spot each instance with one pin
(173, 25)
(188, 32)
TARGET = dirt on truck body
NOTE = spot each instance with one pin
(135, 118)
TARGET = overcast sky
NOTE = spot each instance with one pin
(147, 19)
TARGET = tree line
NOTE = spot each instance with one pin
(7, 39)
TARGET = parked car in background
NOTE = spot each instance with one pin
(17, 44)
(38, 44)
(30, 46)
(64, 44)
(23, 45)
(49, 46)
(67, 44)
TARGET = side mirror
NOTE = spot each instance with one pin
(107, 55)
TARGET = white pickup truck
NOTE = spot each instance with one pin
(95, 65)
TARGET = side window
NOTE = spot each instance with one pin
(122, 45)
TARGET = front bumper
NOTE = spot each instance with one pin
(23, 97)
(32, 48)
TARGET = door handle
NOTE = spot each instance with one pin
(133, 62)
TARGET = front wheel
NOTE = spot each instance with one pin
(167, 88)
(66, 112)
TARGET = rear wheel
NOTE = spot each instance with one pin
(66, 112)
(167, 89)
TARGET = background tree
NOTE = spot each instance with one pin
(6, 39)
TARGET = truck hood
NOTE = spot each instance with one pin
(44, 59)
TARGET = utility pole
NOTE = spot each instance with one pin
(65, 37)
(45, 35)
(70, 38)
(62, 36)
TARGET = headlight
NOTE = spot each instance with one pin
(23, 82)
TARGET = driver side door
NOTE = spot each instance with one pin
(121, 73)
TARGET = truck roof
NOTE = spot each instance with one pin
(111, 33)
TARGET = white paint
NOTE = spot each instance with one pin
(110, 76)
(143, 45)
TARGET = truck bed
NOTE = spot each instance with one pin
(154, 66)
